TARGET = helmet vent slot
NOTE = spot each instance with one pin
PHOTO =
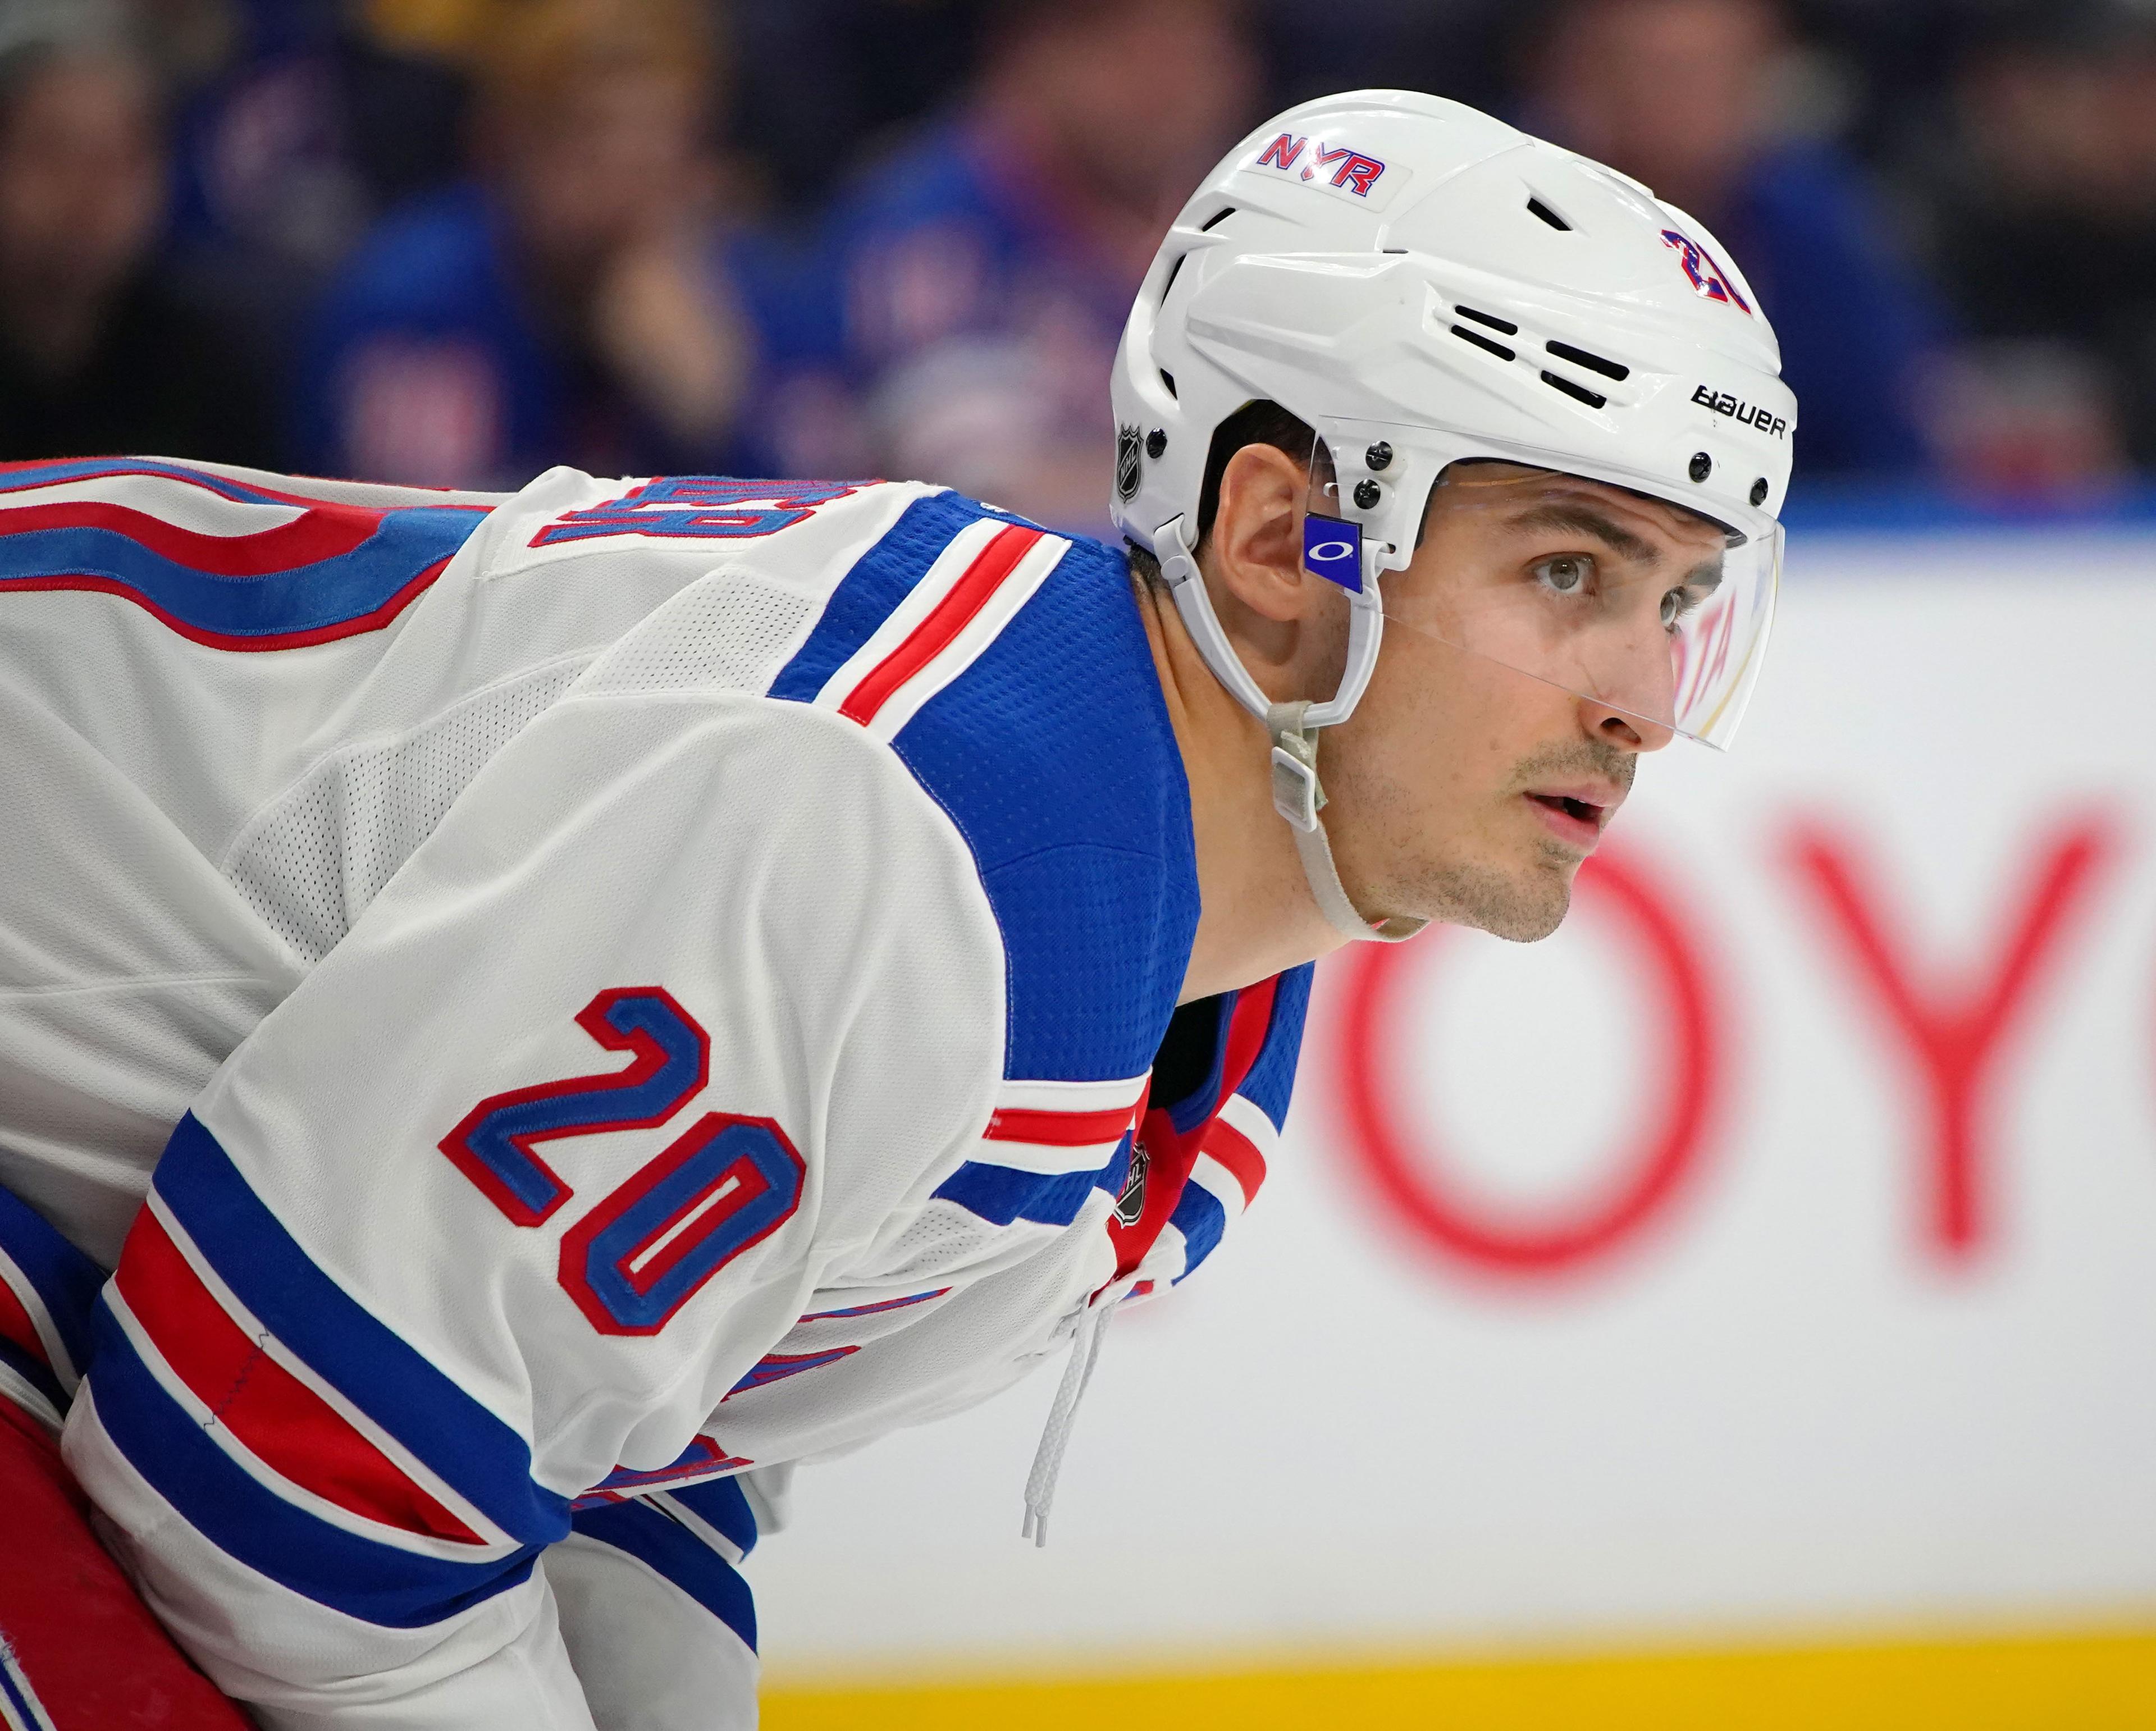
(1591, 399)
(1481, 341)
(1593, 364)
(1218, 218)
(1167, 379)
(1490, 319)
(1174, 270)
(1535, 208)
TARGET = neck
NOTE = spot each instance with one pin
(1257, 916)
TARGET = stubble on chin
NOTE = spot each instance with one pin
(1521, 907)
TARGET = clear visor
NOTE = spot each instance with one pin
(1626, 600)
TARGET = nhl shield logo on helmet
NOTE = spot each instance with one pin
(1127, 448)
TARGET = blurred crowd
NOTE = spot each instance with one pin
(452, 242)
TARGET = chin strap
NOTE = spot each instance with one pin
(1298, 798)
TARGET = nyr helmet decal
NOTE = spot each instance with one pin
(1127, 448)
(1356, 173)
(1706, 276)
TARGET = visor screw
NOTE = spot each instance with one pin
(1155, 442)
(1759, 490)
(1366, 493)
(1703, 465)
(1379, 455)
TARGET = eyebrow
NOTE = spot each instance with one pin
(1584, 520)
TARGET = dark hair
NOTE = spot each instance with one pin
(1261, 422)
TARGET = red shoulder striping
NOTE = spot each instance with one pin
(1059, 1129)
(945, 621)
(16, 1326)
(1247, 1028)
(325, 531)
(285, 1423)
(1239, 1155)
(366, 622)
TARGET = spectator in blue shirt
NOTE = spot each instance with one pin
(980, 274)
(580, 298)
(1681, 95)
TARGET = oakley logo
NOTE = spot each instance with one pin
(1745, 414)
(1332, 549)
(1707, 280)
(1355, 172)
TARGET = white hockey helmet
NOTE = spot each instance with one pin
(1424, 285)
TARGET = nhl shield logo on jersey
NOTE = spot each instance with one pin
(1131, 1203)
(1128, 447)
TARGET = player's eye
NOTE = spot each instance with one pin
(1678, 603)
(1564, 573)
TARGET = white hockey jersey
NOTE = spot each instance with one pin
(651, 978)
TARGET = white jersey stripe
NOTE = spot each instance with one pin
(299, 1495)
(1012, 594)
(1075, 1097)
(190, 506)
(48, 1336)
(277, 1352)
(20, 1709)
(951, 564)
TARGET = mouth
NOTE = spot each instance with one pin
(1572, 819)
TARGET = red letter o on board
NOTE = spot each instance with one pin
(1646, 1176)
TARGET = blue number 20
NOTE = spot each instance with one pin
(727, 1183)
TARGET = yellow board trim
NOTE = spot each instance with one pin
(2056, 1683)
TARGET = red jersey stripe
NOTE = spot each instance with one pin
(1247, 1028)
(325, 531)
(1058, 1129)
(281, 1420)
(1239, 1155)
(945, 621)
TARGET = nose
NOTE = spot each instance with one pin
(1621, 728)
(1635, 692)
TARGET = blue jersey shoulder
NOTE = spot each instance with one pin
(1053, 754)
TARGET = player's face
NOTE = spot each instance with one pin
(1462, 788)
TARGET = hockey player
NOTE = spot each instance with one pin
(612, 990)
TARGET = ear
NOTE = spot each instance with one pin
(1254, 553)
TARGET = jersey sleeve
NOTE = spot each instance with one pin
(687, 999)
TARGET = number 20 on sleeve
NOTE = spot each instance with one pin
(725, 1183)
